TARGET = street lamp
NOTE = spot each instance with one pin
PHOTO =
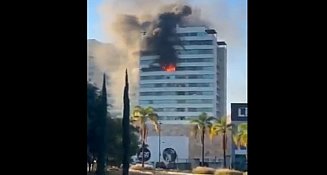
(159, 141)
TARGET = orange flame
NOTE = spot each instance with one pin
(169, 68)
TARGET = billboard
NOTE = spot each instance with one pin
(239, 111)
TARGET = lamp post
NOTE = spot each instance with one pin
(159, 141)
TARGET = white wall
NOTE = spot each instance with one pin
(179, 143)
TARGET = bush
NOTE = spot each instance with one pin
(139, 167)
(138, 172)
(228, 172)
(160, 165)
(203, 170)
(131, 172)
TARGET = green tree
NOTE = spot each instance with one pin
(126, 132)
(92, 112)
(98, 120)
(115, 142)
(202, 124)
(92, 100)
(220, 127)
(139, 118)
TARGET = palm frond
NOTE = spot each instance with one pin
(236, 139)
(211, 133)
(137, 113)
(243, 127)
(230, 125)
(203, 117)
(154, 120)
(241, 135)
(195, 121)
(211, 119)
(149, 110)
(137, 109)
(195, 130)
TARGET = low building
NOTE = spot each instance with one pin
(239, 114)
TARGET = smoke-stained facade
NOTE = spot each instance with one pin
(161, 37)
(197, 85)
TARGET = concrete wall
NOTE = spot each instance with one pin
(184, 138)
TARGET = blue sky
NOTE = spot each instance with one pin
(232, 13)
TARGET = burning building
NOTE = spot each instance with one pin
(196, 83)
(182, 91)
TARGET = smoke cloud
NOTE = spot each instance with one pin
(133, 30)
(162, 36)
(126, 22)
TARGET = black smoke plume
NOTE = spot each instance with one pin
(161, 36)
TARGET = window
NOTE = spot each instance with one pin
(146, 102)
(186, 34)
(194, 51)
(179, 68)
(167, 118)
(158, 85)
(192, 60)
(181, 101)
(163, 93)
(188, 101)
(207, 93)
(243, 112)
(180, 93)
(206, 101)
(191, 109)
(197, 42)
(146, 62)
(194, 68)
(154, 77)
(192, 34)
(200, 85)
(199, 109)
(180, 109)
(146, 85)
(202, 34)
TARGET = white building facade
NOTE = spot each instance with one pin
(198, 84)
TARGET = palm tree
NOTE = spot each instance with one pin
(219, 127)
(202, 124)
(241, 136)
(139, 118)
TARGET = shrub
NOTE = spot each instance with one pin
(203, 170)
(139, 167)
(131, 172)
(228, 172)
(138, 172)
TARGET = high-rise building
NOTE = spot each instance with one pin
(197, 85)
(99, 53)
(95, 74)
